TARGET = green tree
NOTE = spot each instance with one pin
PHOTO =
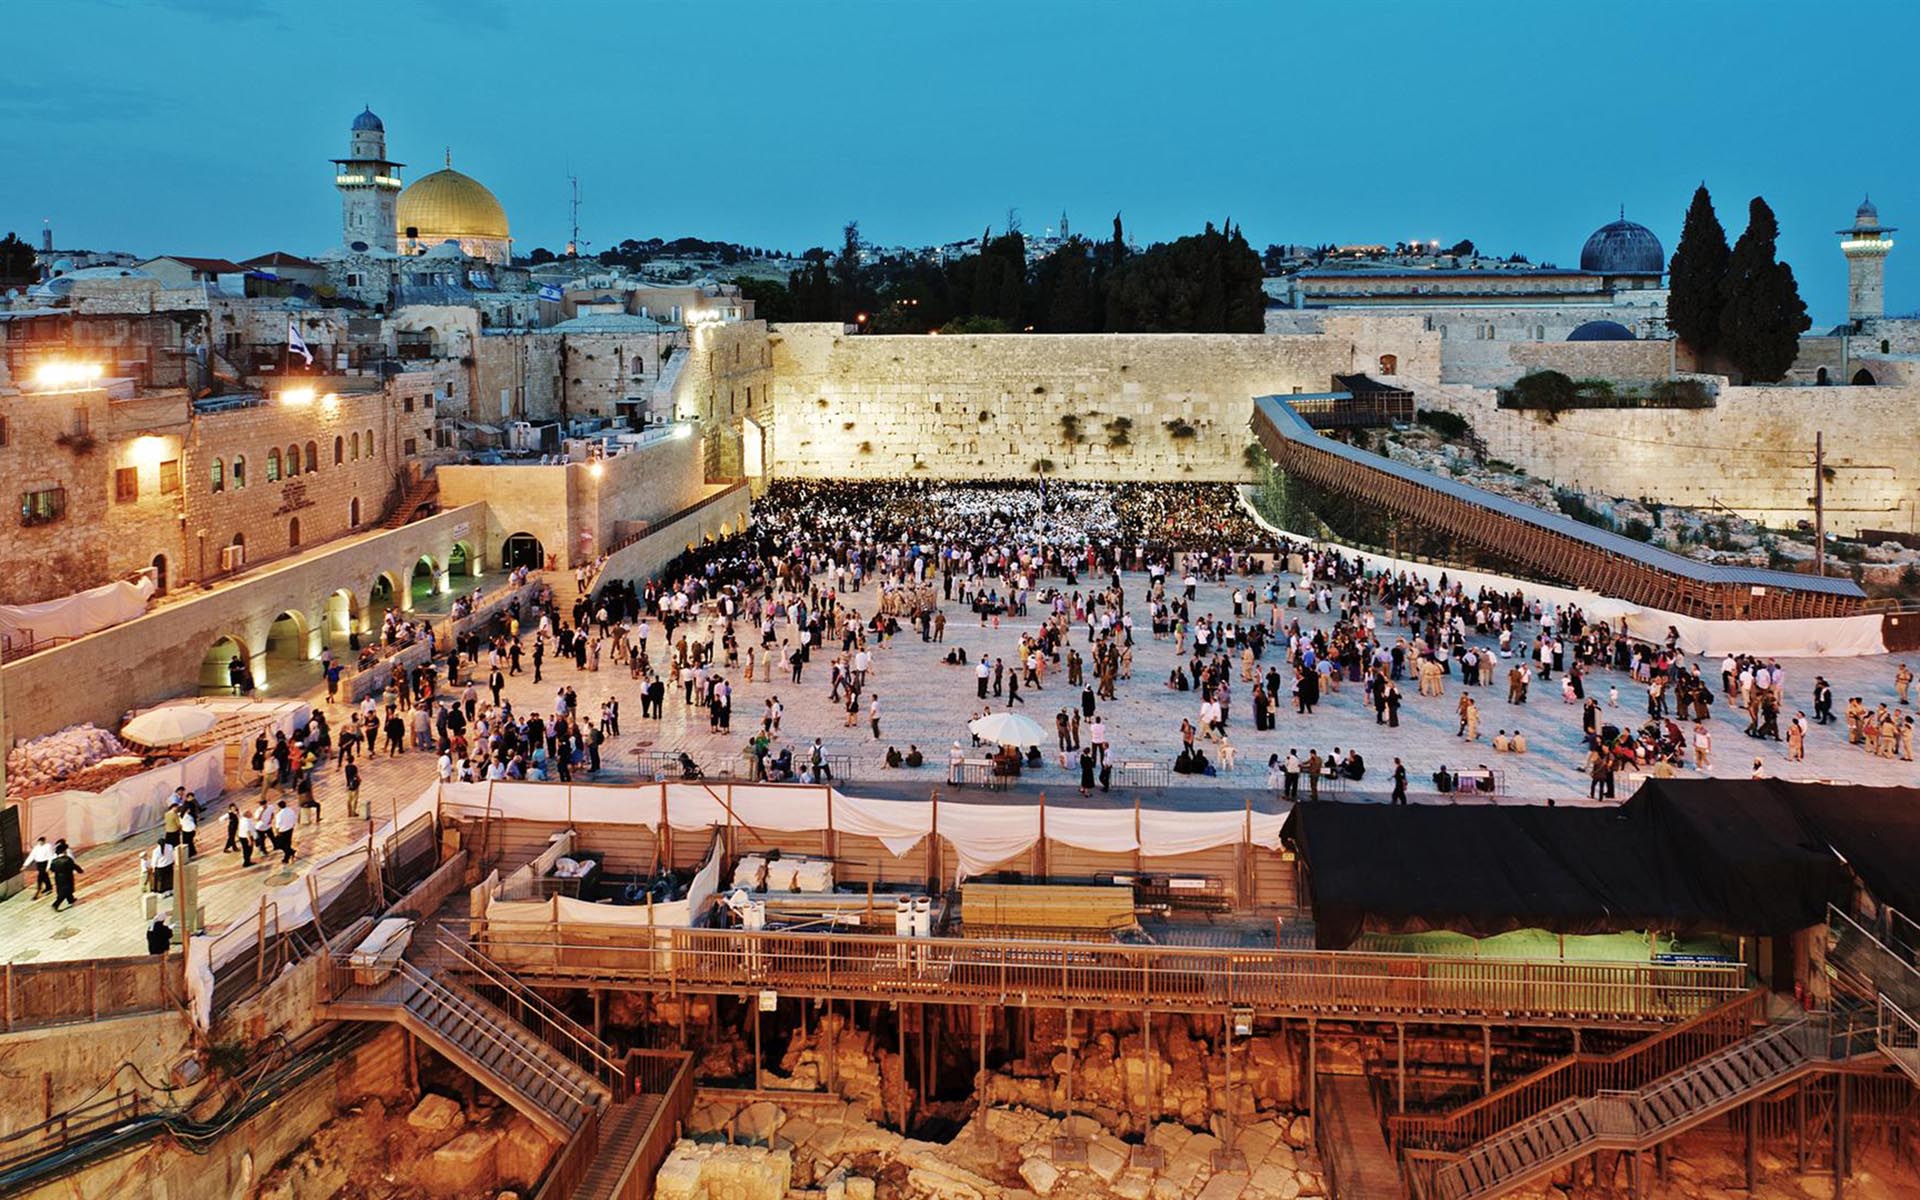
(852, 296)
(18, 266)
(772, 301)
(1697, 277)
(1063, 285)
(1760, 326)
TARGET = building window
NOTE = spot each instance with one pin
(369, 443)
(169, 477)
(6, 432)
(273, 466)
(426, 401)
(217, 477)
(313, 457)
(239, 471)
(406, 404)
(339, 450)
(412, 447)
(293, 534)
(43, 507)
(353, 514)
(356, 448)
(293, 461)
(353, 280)
(126, 485)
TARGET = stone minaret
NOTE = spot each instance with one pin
(369, 184)
(1866, 244)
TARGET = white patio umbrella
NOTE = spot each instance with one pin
(169, 726)
(1008, 729)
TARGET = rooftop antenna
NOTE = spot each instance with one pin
(574, 244)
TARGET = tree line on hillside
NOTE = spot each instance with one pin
(1740, 306)
(1207, 282)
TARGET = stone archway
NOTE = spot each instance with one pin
(382, 597)
(462, 563)
(341, 621)
(159, 574)
(522, 550)
(1863, 378)
(216, 665)
(424, 582)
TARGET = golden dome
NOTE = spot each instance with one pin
(447, 204)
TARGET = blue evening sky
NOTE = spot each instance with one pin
(204, 126)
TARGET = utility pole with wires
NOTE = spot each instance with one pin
(1819, 506)
(574, 245)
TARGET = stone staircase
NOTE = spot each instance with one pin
(553, 1092)
(1638, 1119)
(423, 493)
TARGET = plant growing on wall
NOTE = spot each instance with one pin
(985, 416)
(846, 426)
(866, 447)
(1069, 428)
(79, 443)
(1119, 432)
(1180, 429)
(1042, 466)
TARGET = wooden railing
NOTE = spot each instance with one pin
(668, 1121)
(565, 1035)
(1582, 1075)
(1171, 978)
(60, 993)
(571, 1164)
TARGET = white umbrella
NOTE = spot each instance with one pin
(1008, 729)
(170, 725)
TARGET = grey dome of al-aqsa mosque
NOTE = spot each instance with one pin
(1623, 247)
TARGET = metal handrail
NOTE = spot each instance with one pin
(1738, 1013)
(485, 1024)
(583, 1039)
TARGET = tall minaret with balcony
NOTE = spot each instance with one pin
(1866, 245)
(369, 184)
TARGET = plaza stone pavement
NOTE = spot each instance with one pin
(926, 703)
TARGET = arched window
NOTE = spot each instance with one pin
(339, 450)
(217, 477)
(356, 448)
(353, 514)
(369, 443)
(239, 471)
(293, 534)
(293, 460)
(273, 465)
(313, 457)
(639, 367)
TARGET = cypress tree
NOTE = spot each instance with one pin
(1697, 275)
(1760, 326)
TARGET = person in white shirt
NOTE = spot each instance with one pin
(284, 820)
(40, 856)
(446, 767)
(246, 834)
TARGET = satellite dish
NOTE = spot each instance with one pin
(360, 246)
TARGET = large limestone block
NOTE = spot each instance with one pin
(1227, 1185)
(1107, 1156)
(436, 1114)
(462, 1165)
(679, 1176)
(761, 1119)
(1040, 1175)
(524, 1153)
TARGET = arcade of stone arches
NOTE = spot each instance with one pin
(343, 621)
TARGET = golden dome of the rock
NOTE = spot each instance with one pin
(447, 204)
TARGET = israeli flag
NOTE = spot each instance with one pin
(550, 292)
(297, 344)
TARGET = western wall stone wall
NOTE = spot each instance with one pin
(1752, 452)
(726, 385)
(1123, 406)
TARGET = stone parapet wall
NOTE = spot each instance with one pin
(1752, 452)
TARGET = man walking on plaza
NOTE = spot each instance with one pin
(1399, 782)
(63, 868)
(284, 819)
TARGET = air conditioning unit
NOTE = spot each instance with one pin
(232, 558)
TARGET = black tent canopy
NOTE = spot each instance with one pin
(1749, 857)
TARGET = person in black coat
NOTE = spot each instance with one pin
(63, 868)
(1086, 772)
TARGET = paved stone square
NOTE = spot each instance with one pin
(926, 703)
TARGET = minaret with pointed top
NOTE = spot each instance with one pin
(369, 185)
(1866, 244)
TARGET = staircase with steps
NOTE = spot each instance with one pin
(551, 1090)
(424, 493)
(1878, 966)
(1638, 1119)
